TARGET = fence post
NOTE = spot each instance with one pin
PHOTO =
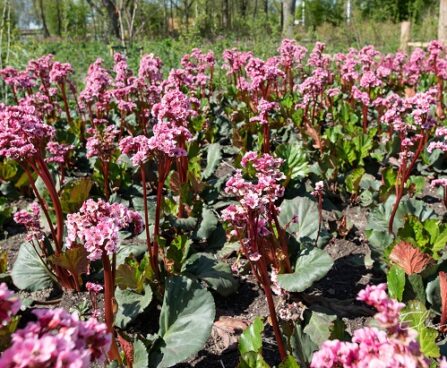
(405, 35)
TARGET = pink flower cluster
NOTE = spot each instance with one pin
(394, 347)
(60, 72)
(97, 225)
(94, 288)
(59, 152)
(17, 79)
(31, 221)
(264, 109)
(96, 83)
(22, 133)
(9, 304)
(57, 339)
(102, 143)
(440, 145)
(256, 198)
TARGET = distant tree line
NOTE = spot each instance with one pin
(130, 19)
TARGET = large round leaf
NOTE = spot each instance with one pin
(217, 274)
(131, 304)
(310, 267)
(186, 318)
(305, 228)
(28, 272)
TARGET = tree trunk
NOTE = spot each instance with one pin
(266, 8)
(226, 15)
(243, 8)
(46, 32)
(442, 26)
(113, 17)
(59, 18)
(288, 7)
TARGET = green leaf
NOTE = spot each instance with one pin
(306, 211)
(396, 282)
(319, 327)
(8, 169)
(28, 272)
(310, 267)
(353, 180)
(302, 345)
(295, 164)
(415, 314)
(140, 355)
(131, 304)
(252, 360)
(186, 318)
(126, 277)
(208, 224)
(251, 338)
(216, 274)
(289, 362)
(416, 289)
(213, 157)
(74, 193)
(427, 339)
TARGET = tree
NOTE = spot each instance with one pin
(288, 7)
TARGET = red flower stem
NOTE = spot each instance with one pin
(63, 275)
(282, 240)
(48, 180)
(266, 145)
(163, 169)
(41, 201)
(64, 98)
(105, 174)
(402, 177)
(268, 293)
(109, 295)
(146, 212)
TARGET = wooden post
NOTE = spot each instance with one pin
(442, 25)
(405, 34)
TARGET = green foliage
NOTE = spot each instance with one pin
(310, 267)
(415, 314)
(29, 272)
(213, 158)
(186, 318)
(295, 165)
(74, 193)
(396, 282)
(216, 274)
(131, 304)
(250, 346)
(305, 228)
(430, 235)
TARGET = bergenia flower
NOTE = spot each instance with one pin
(9, 304)
(22, 132)
(57, 339)
(31, 221)
(97, 225)
(393, 346)
(94, 288)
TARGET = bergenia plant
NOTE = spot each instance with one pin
(254, 223)
(96, 226)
